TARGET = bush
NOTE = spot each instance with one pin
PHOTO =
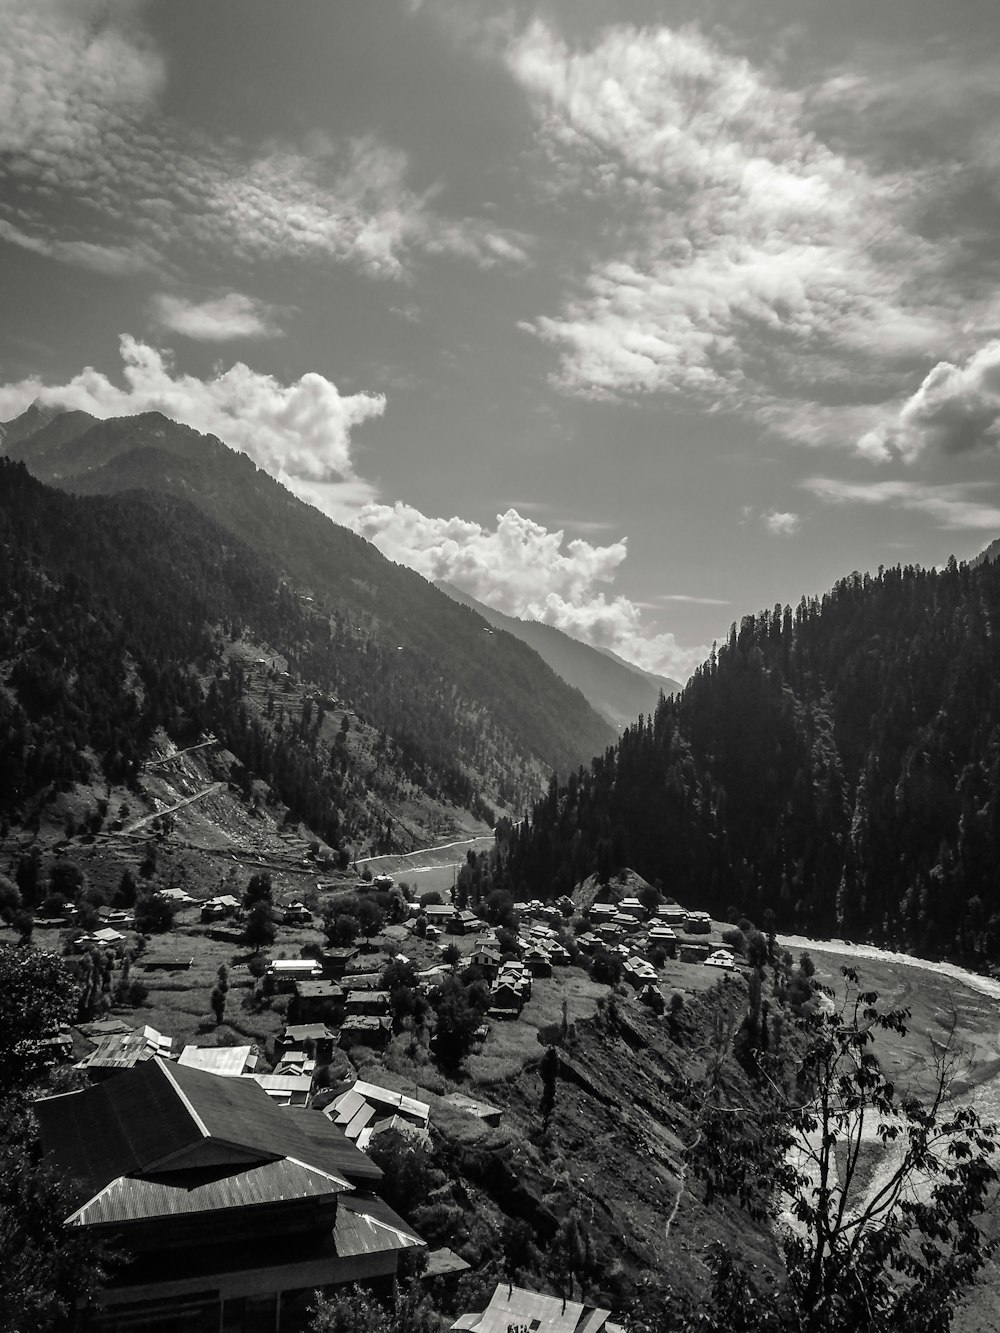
(153, 915)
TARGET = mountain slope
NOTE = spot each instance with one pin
(838, 766)
(414, 663)
(614, 688)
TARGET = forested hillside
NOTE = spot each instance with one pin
(837, 766)
(117, 614)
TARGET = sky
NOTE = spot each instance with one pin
(630, 317)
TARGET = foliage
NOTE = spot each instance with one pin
(895, 1253)
(833, 769)
(459, 1010)
(154, 914)
(38, 992)
(341, 930)
(371, 918)
(352, 1309)
(45, 1267)
(409, 1169)
(259, 930)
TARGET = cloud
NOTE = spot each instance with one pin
(955, 410)
(782, 524)
(217, 320)
(115, 261)
(300, 430)
(738, 252)
(301, 434)
(949, 505)
(522, 568)
(79, 84)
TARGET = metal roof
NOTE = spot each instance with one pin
(228, 1060)
(137, 1198)
(367, 1225)
(546, 1314)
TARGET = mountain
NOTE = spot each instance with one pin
(614, 688)
(837, 766)
(985, 557)
(381, 639)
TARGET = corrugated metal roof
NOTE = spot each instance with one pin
(134, 1199)
(329, 1148)
(515, 1305)
(228, 1060)
(367, 1225)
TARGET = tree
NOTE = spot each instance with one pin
(258, 890)
(259, 929)
(217, 999)
(371, 918)
(38, 993)
(10, 899)
(45, 1266)
(342, 930)
(153, 914)
(457, 1020)
(451, 954)
(892, 1254)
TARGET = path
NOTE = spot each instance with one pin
(158, 814)
(423, 851)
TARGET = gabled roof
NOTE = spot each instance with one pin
(548, 1314)
(160, 1118)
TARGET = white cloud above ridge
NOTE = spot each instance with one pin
(218, 319)
(735, 230)
(949, 505)
(525, 570)
(782, 524)
(955, 410)
(78, 82)
(298, 430)
(301, 434)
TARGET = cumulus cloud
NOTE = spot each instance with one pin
(522, 568)
(736, 236)
(219, 319)
(949, 505)
(79, 82)
(297, 430)
(782, 524)
(955, 410)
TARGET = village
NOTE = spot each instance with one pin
(316, 1084)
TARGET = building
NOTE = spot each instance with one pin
(285, 972)
(297, 914)
(116, 1051)
(514, 1307)
(230, 1061)
(368, 1108)
(375, 1002)
(231, 1209)
(366, 1030)
(316, 1000)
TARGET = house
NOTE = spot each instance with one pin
(287, 971)
(229, 1208)
(313, 1038)
(638, 973)
(671, 914)
(368, 1108)
(314, 1000)
(336, 961)
(168, 963)
(116, 1051)
(601, 912)
(633, 907)
(515, 1307)
(176, 896)
(538, 962)
(365, 1030)
(464, 923)
(486, 957)
(229, 1061)
(720, 958)
(286, 1088)
(625, 922)
(220, 907)
(375, 1002)
(588, 941)
(698, 923)
(506, 1000)
(558, 955)
(438, 914)
(694, 953)
(297, 914)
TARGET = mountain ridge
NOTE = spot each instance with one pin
(616, 689)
